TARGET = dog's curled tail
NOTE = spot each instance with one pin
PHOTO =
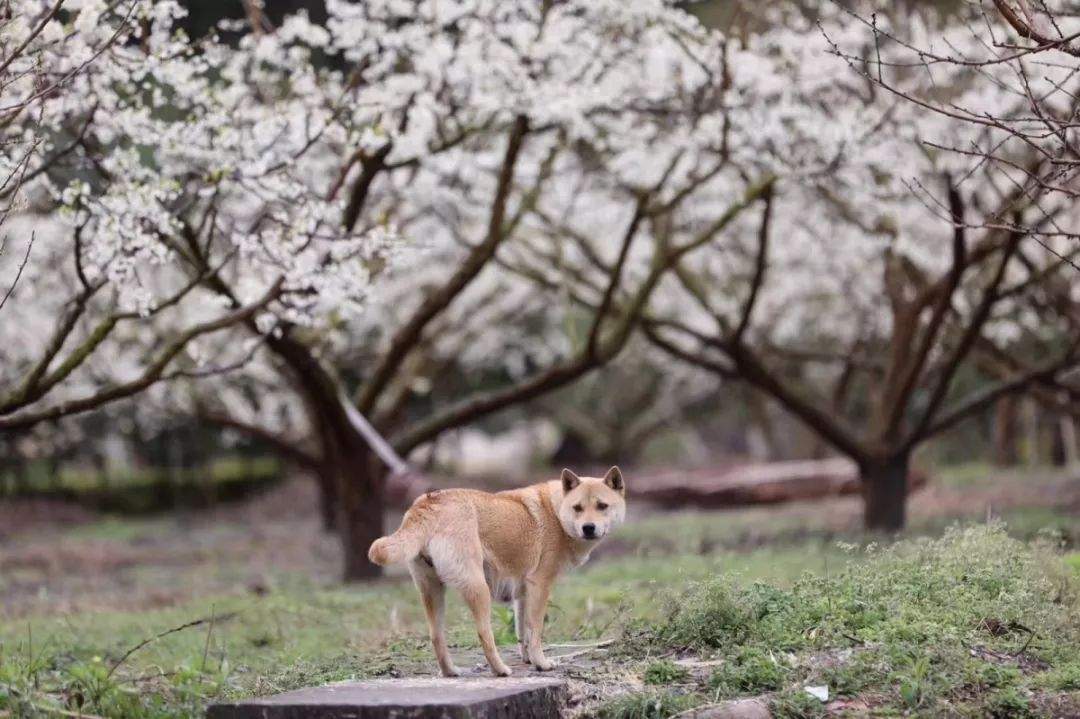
(401, 546)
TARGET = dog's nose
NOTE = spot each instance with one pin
(589, 530)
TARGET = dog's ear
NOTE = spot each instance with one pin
(569, 481)
(614, 479)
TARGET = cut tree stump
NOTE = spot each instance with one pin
(419, 698)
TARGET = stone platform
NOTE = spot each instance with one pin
(417, 698)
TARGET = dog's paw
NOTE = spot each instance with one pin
(543, 664)
(525, 655)
(501, 670)
(451, 671)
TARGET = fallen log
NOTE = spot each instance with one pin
(767, 483)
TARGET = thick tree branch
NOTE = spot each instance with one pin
(370, 167)
(760, 265)
(967, 340)
(982, 399)
(571, 369)
(897, 395)
(437, 301)
(281, 444)
(152, 374)
(811, 411)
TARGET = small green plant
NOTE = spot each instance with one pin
(503, 624)
(981, 675)
(751, 671)
(797, 704)
(914, 683)
(1008, 704)
(665, 671)
(648, 705)
(712, 614)
(1073, 560)
(1065, 677)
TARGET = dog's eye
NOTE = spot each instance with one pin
(578, 508)
(601, 506)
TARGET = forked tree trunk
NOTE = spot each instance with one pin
(884, 490)
(358, 487)
(356, 479)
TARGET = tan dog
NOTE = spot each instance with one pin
(510, 546)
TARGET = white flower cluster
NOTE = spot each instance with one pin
(359, 162)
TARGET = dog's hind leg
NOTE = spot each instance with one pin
(478, 596)
(520, 628)
(433, 595)
(458, 557)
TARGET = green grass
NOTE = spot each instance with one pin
(703, 607)
(974, 622)
(928, 627)
(649, 704)
(302, 634)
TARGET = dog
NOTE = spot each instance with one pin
(509, 546)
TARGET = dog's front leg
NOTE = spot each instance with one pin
(537, 592)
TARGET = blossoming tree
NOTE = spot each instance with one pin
(858, 298)
(313, 224)
(209, 208)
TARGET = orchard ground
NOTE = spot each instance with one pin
(687, 608)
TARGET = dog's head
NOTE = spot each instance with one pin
(592, 506)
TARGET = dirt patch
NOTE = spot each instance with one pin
(53, 565)
(19, 516)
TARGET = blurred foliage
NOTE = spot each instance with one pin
(135, 490)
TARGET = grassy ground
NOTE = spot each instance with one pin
(701, 607)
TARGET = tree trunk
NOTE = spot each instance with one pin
(884, 490)
(361, 490)
(1032, 448)
(326, 481)
(358, 485)
(1070, 445)
(1006, 432)
(347, 462)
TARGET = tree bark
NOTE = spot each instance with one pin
(352, 485)
(1070, 446)
(884, 490)
(355, 476)
(1006, 431)
(361, 485)
(327, 481)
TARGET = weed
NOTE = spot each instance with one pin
(752, 671)
(851, 674)
(710, 614)
(665, 671)
(1008, 704)
(797, 704)
(1065, 677)
(647, 705)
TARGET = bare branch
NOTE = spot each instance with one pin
(152, 374)
(19, 272)
(437, 301)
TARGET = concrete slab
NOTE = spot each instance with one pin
(417, 698)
